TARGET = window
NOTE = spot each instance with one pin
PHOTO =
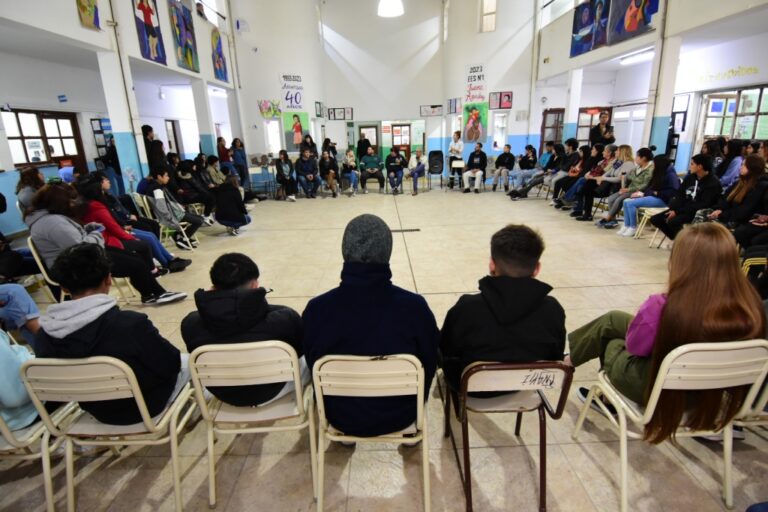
(553, 9)
(41, 137)
(488, 16)
(274, 137)
(552, 126)
(739, 114)
(589, 117)
(445, 19)
(499, 131)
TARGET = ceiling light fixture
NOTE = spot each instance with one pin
(391, 8)
(637, 58)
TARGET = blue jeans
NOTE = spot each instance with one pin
(158, 251)
(415, 175)
(234, 224)
(309, 187)
(631, 206)
(353, 179)
(572, 192)
(16, 309)
(520, 177)
(395, 178)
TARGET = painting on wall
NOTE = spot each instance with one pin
(270, 109)
(219, 62)
(89, 13)
(148, 30)
(590, 26)
(476, 122)
(630, 18)
(183, 36)
(500, 100)
(295, 126)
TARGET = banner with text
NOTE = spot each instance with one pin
(291, 91)
(475, 91)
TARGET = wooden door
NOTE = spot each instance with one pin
(372, 134)
(552, 126)
(401, 139)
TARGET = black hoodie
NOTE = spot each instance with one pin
(241, 316)
(511, 320)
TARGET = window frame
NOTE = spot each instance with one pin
(594, 121)
(487, 13)
(41, 115)
(758, 113)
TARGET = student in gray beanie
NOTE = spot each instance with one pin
(368, 316)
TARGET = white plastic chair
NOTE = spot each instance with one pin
(380, 376)
(695, 366)
(526, 384)
(247, 364)
(104, 378)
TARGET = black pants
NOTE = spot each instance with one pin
(451, 171)
(671, 227)
(145, 224)
(563, 184)
(207, 199)
(590, 191)
(748, 235)
(195, 221)
(126, 264)
(13, 264)
(365, 176)
(140, 249)
(289, 184)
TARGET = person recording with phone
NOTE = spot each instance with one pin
(602, 133)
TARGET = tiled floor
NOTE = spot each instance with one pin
(297, 247)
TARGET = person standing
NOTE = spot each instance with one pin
(395, 167)
(112, 168)
(224, 153)
(455, 152)
(362, 146)
(476, 164)
(308, 174)
(505, 164)
(417, 168)
(309, 143)
(371, 167)
(602, 133)
(240, 161)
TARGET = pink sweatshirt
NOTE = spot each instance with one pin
(641, 334)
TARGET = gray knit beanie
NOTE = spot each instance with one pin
(367, 239)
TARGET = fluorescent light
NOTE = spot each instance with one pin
(391, 8)
(636, 58)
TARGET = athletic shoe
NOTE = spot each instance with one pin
(467, 191)
(601, 222)
(494, 188)
(182, 244)
(738, 435)
(149, 300)
(415, 193)
(611, 224)
(477, 191)
(209, 221)
(506, 188)
(365, 191)
(582, 393)
(630, 232)
(168, 297)
(565, 208)
(333, 194)
(576, 213)
(161, 271)
(292, 198)
(353, 193)
(178, 264)
(621, 231)
(381, 190)
(395, 191)
(584, 218)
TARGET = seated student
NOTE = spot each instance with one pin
(417, 167)
(350, 170)
(505, 164)
(53, 229)
(143, 185)
(308, 174)
(728, 170)
(192, 190)
(91, 324)
(455, 152)
(636, 180)
(285, 175)
(19, 312)
(570, 160)
(513, 319)
(554, 163)
(574, 173)
(477, 161)
(395, 165)
(371, 167)
(700, 189)
(235, 310)
(217, 177)
(527, 169)
(576, 185)
(231, 211)
(603, 180)
(698, 307)
(549, 151)
(16, 407)
(370, 317)
(329, 171)
(170, 212)
(661, 189)
(30, 181)
(745, 198)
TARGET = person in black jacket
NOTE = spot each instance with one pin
(475, 168)
(235, 310)
(231, 211)
(362, 146)
(368, 316)
(192, 190)
(746, 197)
(505, 163)
(602, 133)
(329, 170)
(285, 175)
(395, 164)
(513, 319)
(91, 324)
(700, 189)
(309, 143)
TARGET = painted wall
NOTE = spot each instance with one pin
(688, 14)
(632, 83)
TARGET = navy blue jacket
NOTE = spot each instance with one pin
(668, 189)
(368, 316)
(306, 167)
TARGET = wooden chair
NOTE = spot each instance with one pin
(247, 364)
(526, 385)
(753, 262)
(695, 366)
(645, 215)
(380, 376)
(104, 378)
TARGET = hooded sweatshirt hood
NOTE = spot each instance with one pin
(62, 320)
(34, 216)
(512, 298)
(228, 312)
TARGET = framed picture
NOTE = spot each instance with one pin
(678, 121)
(100, 139)
(331, 114)
(494, 101)
(506, 100)
(680, 103)
(96, 125)
(318, 109)
(348, 114)
(339, 114)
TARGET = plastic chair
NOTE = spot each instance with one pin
(167, 230)
(360, 376)
(264, 179)
(695, 366)
(247, 364)
(104, 378)
(526, 384)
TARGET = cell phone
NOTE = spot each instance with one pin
(608, 128)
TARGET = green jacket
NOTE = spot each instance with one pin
(371, 162)
(638, 181)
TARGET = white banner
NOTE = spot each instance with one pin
(475, 91)
(291, 91)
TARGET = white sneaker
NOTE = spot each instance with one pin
(353, 194)
(630, 232)
(621, 231)
(208, 220)
(169, 297)
(365, 191)
(292, 198)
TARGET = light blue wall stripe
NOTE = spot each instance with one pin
(660, 133)
(10, 221)
(569, 131)
(683, 158)
(128, 154)
(208, 144)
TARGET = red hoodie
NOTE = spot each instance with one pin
(113, 233)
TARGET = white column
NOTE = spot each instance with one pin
(204, 117)
(661, 93)
(572, 103)
(6, 160)
(534, 137)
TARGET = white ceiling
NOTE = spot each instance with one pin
(746, 24)
(38, 44)
(145, 71)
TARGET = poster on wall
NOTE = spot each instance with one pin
(590, 26)
(148, 30)
(89, 13)
(219, 61)
(296, 126)
(292, 91)
(183, 36)
(500, 100)
(475, 122)
(348, 113)
(475, 91)
(431, 110)
(454, 105)
(270, 109)
(318, 109)
(629, 18)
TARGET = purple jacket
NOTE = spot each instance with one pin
(641, 334)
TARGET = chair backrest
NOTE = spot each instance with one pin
(90, 379)
(364, 376)
(141, 204)
(244, 364)
(719, 365)
(436, 160)
(540, 376)
(40, 263)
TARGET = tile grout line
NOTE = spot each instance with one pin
(405, 243)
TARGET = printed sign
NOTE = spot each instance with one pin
(431, 110)
(292, 91)
(475, 91)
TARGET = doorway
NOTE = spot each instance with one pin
(372, 134)
(174, 141)
(401, 139)
(628, 123)
(552, 126)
